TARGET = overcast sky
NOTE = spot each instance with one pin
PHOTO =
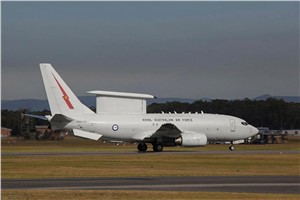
(169, 49)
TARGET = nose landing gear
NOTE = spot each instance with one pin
(231, 147)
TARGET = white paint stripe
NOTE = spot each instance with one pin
(167, 186)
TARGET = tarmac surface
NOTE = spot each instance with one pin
(249, 184)
(151, 152)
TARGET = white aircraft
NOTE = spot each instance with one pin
(122, 117)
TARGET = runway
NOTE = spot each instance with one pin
(249, 184)
(249, 152)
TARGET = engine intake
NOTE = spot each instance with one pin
(191, 140)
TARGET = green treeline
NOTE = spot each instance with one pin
(20, 124)
(273, 113)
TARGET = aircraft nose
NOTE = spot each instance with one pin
(253, 130)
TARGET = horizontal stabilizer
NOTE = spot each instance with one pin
(59, 121)
(85, 134)
(60, 118)
(36, 116)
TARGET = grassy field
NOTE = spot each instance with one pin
(148, 165)
(145, 164)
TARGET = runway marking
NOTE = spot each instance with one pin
(250, 184)
(151, 153)
(173, 186)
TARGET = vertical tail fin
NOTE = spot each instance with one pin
(60, 97)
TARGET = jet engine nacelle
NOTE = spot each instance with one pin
(191, 140)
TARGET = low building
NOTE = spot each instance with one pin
(45, 133)
(295, 132)
(5, 132)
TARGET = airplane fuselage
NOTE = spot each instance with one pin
(128, 126)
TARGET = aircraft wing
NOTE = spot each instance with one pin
(167, 130)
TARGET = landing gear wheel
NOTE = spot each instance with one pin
(231, 148)
(142, 147)
(158, 147)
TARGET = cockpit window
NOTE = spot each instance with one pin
(244, 123)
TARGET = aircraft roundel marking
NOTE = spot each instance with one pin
(115, 127)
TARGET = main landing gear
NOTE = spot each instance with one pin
(142, 147)
(231, 147)
(157, 147)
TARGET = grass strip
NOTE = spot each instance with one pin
(149, 165)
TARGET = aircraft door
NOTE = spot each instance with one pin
(232, 125)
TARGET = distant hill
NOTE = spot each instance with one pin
(164, 100)
(288, 99)
(39, 105)
(90, 101)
